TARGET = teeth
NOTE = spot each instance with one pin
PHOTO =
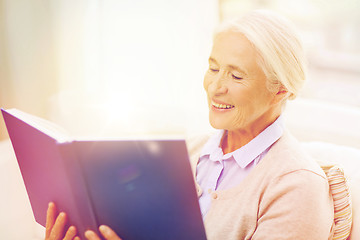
(222, 106)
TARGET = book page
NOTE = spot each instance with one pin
(47, 127)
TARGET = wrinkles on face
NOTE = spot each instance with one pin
(235, 78)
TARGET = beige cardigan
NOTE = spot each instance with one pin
(286, 196)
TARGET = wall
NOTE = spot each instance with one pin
(85, 63)
(28, 74)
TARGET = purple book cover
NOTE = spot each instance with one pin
(143, 189)
(47, 177)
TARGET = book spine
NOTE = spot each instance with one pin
(84, 217)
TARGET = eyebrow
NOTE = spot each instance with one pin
(232, 67)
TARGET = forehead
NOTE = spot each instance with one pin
(233, 48)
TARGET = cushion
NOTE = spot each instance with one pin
(342, 200)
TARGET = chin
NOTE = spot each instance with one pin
(218, 124)
(226, 124)
(225, 120)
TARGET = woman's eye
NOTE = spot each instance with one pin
(213, 69)
(236, 77)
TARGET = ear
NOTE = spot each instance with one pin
(282, 91)
(281, 95)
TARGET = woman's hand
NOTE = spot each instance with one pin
(56, 226)
(107, 233)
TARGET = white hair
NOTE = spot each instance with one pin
(279, 48)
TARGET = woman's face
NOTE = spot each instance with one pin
(236, 86)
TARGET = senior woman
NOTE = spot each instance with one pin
(253, 179)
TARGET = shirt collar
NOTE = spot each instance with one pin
(212, 146)
(247, 153)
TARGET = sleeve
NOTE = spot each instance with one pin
(297, 205)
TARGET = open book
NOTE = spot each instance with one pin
(143, 189)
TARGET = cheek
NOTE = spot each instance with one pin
(241, 95)
(264, 97)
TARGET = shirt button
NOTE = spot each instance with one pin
(214, 195)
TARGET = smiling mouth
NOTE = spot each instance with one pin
(222, 106)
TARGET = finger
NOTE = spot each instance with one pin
(70, 233)
(108, 233)
(58, 228)
(50, 219)
(90, 235)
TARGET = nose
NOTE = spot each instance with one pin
(218, 84)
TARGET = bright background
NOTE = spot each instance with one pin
(129, 67)
(110, 67)
(106, 67)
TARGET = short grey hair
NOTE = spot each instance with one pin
(280, 51)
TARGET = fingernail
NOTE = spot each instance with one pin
(104, 230)
(89, 234)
